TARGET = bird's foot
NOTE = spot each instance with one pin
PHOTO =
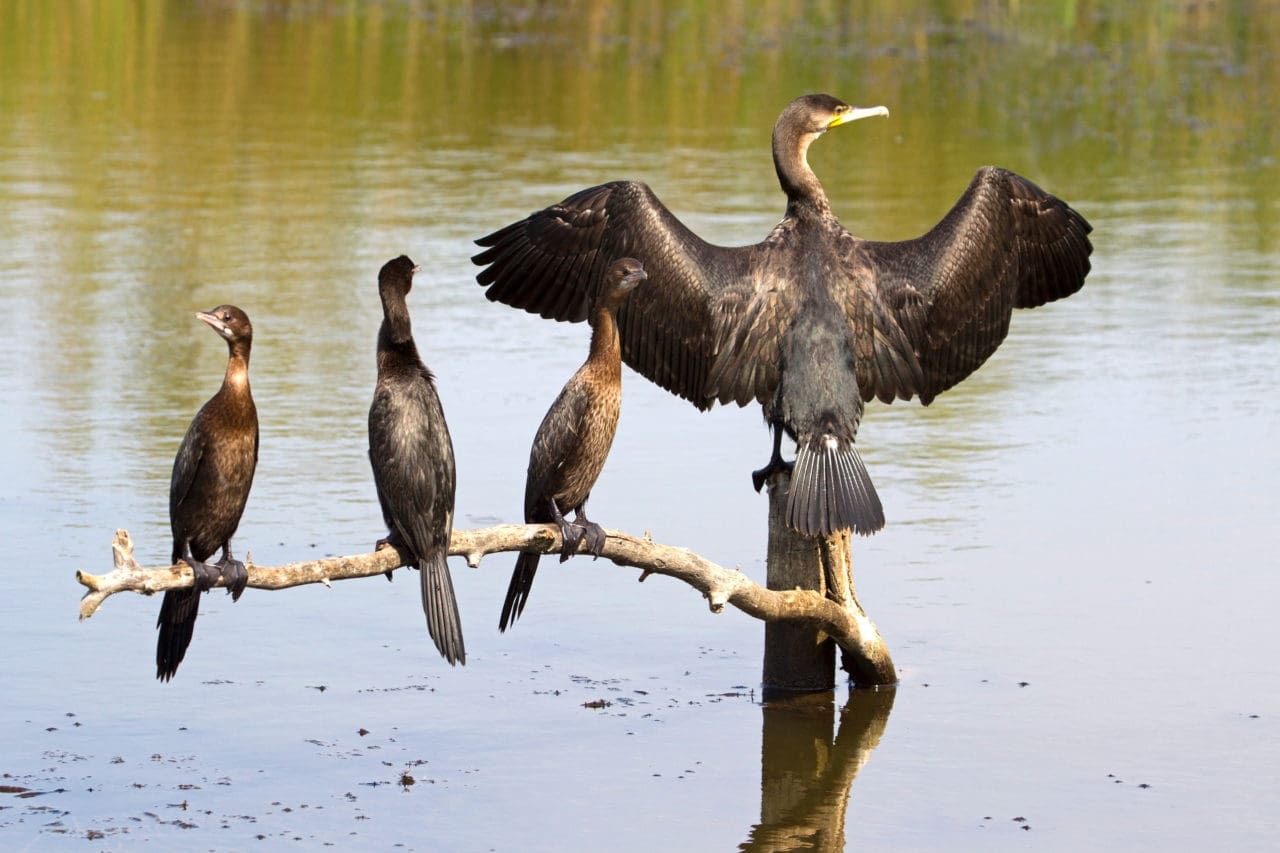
(234, 576)
(775, 466)
(205, 575)
(391, 540)
(570, 534)
(595, 537)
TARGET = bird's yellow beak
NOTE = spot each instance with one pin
(856, 113)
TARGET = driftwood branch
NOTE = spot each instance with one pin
(844, 622)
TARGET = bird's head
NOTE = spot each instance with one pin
(817, 114)
(229, 322)
(397, 275)
(625, 274)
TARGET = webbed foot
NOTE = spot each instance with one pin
(234, 575)
(571, 534)
(205, 575)
(391, 540)
(776, 466)
(595, 537)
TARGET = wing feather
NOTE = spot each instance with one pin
(186, 463)
(551, 263)
(931, 310)
(426, 480)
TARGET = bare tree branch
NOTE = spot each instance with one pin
(844, 622)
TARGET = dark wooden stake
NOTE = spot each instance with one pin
(799, 657)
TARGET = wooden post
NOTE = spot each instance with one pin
(800, 657)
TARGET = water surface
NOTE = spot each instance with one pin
(1078, 578)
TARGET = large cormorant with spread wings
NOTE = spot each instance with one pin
(812, 322)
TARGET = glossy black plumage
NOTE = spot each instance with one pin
(412, 458)
(812, 321)
(212, 474)
(574, 438)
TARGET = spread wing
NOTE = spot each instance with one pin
(552, 262)
(752, 317)
(928, 312)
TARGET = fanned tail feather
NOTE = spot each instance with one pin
(518, 589)
(444, 624)
(831, 490)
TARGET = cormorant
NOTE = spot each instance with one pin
(208, 490)
(573, 440)
(812, 322)
(412, 458)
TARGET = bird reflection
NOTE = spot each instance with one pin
(806, 776)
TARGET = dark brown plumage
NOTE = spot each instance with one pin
(812, 322)
(573, 440)
(212, 474)
(412, 458)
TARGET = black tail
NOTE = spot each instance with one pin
(830, 490)
(444, 624)
(518, 589)
(177, 623)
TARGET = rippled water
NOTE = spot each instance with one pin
(1078, 579)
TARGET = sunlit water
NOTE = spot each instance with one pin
(1078, 579)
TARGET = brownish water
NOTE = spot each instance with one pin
(1078, 579)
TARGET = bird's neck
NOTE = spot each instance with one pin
(236, 380)
(606, 348)
(805, 196)
(396, 326)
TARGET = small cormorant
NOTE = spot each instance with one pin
(812, 322)
(208, 490)
(412, 458)
(573, 440)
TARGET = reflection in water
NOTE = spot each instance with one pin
(805, 777)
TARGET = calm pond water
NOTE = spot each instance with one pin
(1078, 578)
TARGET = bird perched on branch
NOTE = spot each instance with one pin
(812, 322)
(574, 438)
(212, 474)
(412, 458)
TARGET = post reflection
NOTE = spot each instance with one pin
(805, 775)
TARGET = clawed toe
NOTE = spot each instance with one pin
(235, 576)
(571, 535)
(205, 575)
(392, 540)
(384, 542)
(595, 536)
